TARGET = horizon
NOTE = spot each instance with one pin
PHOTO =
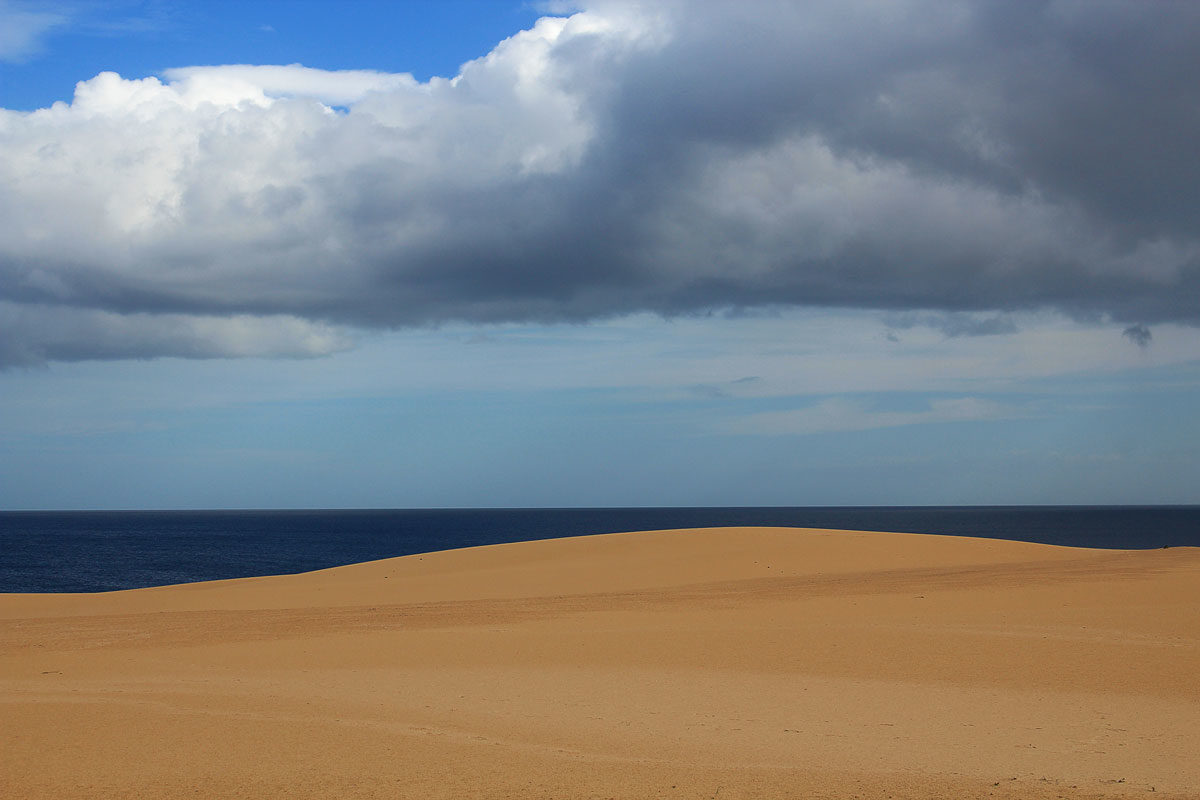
(335, 509)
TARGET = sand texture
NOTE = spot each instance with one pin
(719, 663)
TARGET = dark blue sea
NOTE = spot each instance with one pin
(93, 551)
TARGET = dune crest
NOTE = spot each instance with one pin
(735, 662)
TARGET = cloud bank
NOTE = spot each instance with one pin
(673, 158)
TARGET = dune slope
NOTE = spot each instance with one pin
(748, 662)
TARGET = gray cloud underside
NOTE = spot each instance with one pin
(983, 156)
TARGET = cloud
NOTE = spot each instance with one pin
(673, 158)
(239, 83)
(842, 414)
(726, 389)
(22, 29)
(1139, 335)
(33, 335)
(952, 324)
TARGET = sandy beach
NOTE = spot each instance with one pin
(716, 663)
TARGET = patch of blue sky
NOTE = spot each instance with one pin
(606, 447)
(142, 38)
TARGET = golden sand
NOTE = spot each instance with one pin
(718, 663)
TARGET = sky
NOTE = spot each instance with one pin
(509, 254)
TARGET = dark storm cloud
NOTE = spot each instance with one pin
(952, 162)
(1139, 335)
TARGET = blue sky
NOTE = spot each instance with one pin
(136, 39)
(287, 255)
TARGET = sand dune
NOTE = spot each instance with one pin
(725, 663)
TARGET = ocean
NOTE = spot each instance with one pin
(93, 551)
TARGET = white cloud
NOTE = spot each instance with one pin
(22, 29)
(843, 414)
(235, 83)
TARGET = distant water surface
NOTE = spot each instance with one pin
(91, 551)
